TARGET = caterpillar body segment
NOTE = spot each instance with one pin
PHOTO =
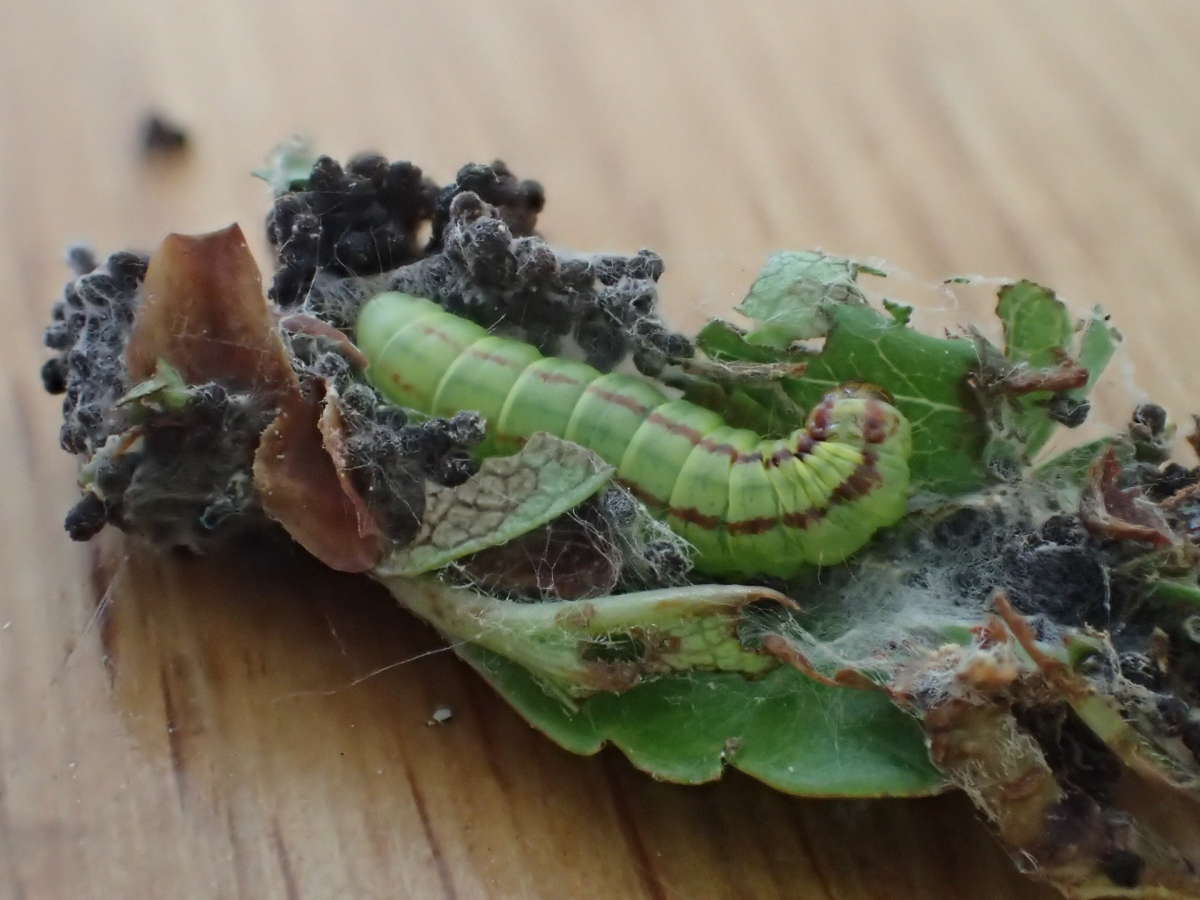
(749, 505)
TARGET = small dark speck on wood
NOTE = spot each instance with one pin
(161, 136)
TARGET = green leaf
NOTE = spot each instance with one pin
(744, 383)
(1096, 348)
(792, 733)
(507, 497)
(796, 294)
(927, 377)
(901, 312)
(1037, 334)
(722, 340)
(1036, 324)
(664, 705)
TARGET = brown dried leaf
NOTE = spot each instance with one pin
(568, 559)
(333, 437)
(1051, 764)
(1067, 375)
(1110, 511)
(204, 313)
(308, 493)
(303, 323)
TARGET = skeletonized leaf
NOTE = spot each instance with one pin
(507, 497)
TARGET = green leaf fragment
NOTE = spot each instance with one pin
(746, 394)
(1180, 593)
(796, 294)
(1096, 348)
(792, 733)
(579, 648)
(166, 389)
(901, 312)
(723, 340)
(508, 497)
(1037, 326)
(1037, 334)
(1140, 751)
(288, 166)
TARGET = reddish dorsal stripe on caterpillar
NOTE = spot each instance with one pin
(750, 505)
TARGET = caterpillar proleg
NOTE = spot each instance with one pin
(749, 505)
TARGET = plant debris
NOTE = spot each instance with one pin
(1029, 632)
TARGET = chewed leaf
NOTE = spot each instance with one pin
(507, 497)
(953, 439)
(1096, 347)
(1026, 771)
(1036, 323)
(792, 733)
(795, 295)
(1037, 333)
(1045, 374)
(579, 648)
(723, 340)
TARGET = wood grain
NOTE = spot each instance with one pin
(211, 728)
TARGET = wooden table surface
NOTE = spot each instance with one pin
(211, 728)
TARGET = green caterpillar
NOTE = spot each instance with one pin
(749, 505)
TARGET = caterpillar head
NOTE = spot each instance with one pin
(862, 390)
